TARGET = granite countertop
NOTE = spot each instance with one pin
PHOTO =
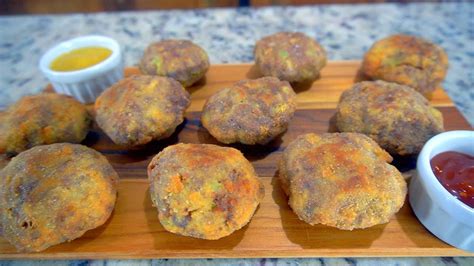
(228, 35)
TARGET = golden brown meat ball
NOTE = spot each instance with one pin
(202, 190)
(181, 60)
(141, 108)
(290, 56)
(407, 60)
(54, 193)
(341, 180)
(397, 117)
(42, 119)
(250, 111)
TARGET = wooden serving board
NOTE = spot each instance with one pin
(133, 231)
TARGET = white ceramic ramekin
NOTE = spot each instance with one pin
(85, 84)
(440, 212)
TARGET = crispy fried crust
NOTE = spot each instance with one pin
(42, 119)
(290, 56)
(397, 117)
(54, 193)
(407, 60)
(341, 180)
(202, 190)
(181, 60)
(250, 111)
(141, 108)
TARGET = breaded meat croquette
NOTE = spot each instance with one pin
(181, 60)
(42, 119)
(54, 193)
(250, 111)
(397, 117)
(290, 56)
(141, 108)
(341, 180)
(407, 60)
(202, 190)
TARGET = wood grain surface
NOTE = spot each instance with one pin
(134, 231)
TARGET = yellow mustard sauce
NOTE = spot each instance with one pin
(80, 58)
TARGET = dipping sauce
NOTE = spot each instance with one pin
(80, 58)
(455, 171)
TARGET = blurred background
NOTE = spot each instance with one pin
(14, 7)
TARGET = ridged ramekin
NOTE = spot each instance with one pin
(440, 212)
(85, 84)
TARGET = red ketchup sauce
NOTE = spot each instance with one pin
(455, 171)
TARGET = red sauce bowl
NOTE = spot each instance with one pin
(455, 171)
(438, 210)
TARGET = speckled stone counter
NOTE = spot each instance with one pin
(228, 35)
